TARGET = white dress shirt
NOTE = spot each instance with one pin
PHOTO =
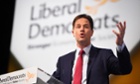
(85, 62)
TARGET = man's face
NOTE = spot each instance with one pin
(82, 31)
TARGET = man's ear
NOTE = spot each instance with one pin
(72, 32)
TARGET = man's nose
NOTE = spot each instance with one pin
(82, 29)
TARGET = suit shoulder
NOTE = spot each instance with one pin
(103, 53)
(67, 55)
(102, 49)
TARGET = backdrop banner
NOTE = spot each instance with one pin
(42, 28)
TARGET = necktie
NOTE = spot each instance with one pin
(78, 69)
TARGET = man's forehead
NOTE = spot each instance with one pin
(85, 21)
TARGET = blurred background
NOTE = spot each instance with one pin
(9, 63)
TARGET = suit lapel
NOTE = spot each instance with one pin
(92, 57)
(69, 66)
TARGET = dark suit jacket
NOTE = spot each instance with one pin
(102, 62)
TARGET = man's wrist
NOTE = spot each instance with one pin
(120, 47)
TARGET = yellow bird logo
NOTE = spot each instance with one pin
(94, 9)
(29, 76)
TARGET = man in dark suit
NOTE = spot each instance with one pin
(97, 63)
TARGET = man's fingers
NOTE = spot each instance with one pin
(120, 33)
(120, 27)
(117, 34)
(124, 25)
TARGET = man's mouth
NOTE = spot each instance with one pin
(82, 35)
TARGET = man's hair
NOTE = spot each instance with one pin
(86, 17)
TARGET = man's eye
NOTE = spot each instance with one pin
(78, 26)
(86, 26)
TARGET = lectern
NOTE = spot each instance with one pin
(32, 75)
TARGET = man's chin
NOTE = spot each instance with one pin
(82, 41)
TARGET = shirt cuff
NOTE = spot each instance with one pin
(120, 47)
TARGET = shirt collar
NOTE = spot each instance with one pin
(86, 49)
